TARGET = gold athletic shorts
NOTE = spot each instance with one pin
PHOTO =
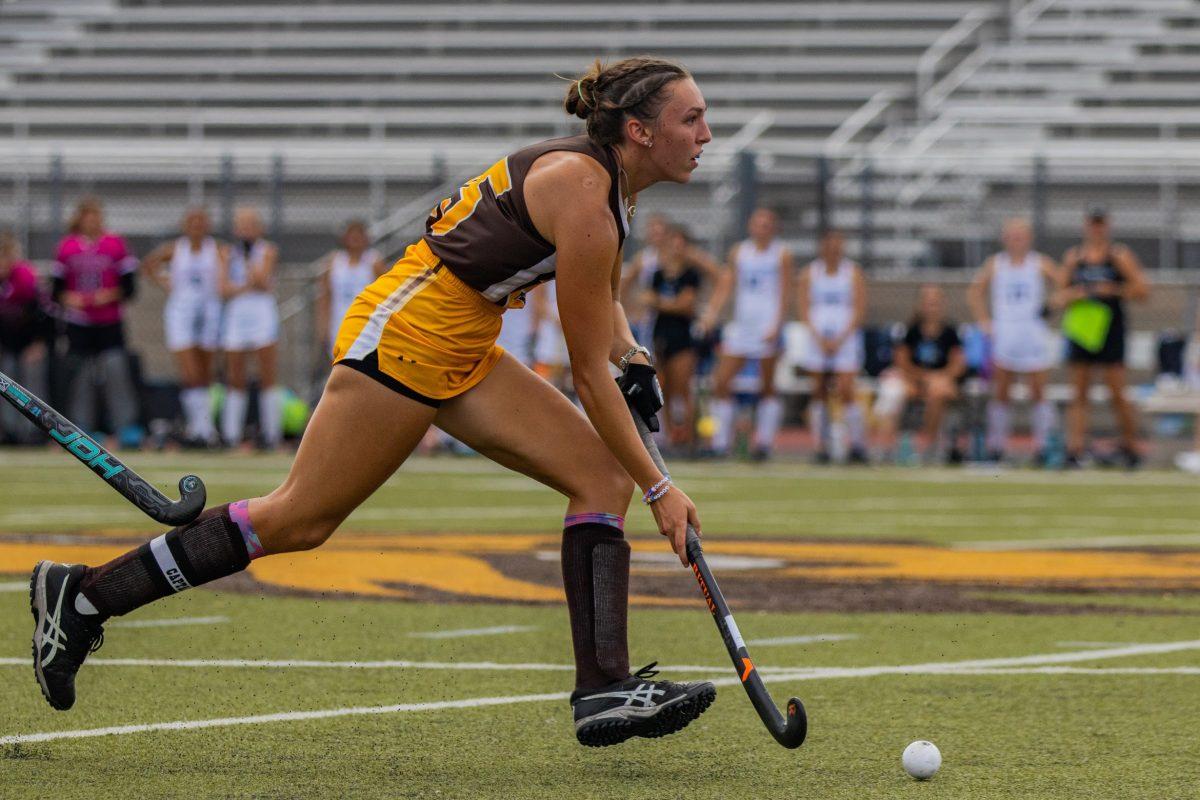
(421, 327)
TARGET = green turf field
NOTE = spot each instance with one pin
(1078, 680)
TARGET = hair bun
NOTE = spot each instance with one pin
(581, 97)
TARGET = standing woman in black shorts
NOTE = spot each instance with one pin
(672, 299)
(418, 348)
(1108, 273)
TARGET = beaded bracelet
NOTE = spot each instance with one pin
(659, 496)
(656, 491)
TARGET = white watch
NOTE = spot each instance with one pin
(623, 361)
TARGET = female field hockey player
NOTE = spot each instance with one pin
(417, 348)
(1099, 272)
(1009, 298)
(250, 329)
(759, 276)
(192, 315)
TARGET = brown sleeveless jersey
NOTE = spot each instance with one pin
(483, 233)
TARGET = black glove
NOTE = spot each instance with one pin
(639, 384)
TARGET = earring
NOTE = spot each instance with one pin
(648, 143)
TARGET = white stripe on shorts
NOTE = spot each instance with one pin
(372, 332)
(166, 562)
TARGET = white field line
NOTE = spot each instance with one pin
(854, 520)
(798, 673)
(287, 716)
(1081, 542)
(14, 586)
(464, 632)
(167, 623)
(893, 503)
(1092, 644)
(979, 666)
(1098, 671)
(819, 637)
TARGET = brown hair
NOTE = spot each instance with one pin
(355, 224)
(633, 87)
(10, 248)
(85, 204)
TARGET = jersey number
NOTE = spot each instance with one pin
(450, 213)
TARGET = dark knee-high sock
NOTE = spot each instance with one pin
(595, 565)
(218, 543)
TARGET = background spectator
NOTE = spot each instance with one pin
(191, 317)
(929, 363)
(24, 332)
(94, 276)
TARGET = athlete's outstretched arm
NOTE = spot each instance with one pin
(152, 264)
(977, 295)
(1136, 286)
(568, 202)
(787, 269)
(720, 295)
(325, 296)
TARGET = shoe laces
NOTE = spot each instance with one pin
(647, 672)
(97, 641)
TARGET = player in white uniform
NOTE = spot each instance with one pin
(346, 273)
(250, 327)
(192, 315)
(761, 270)
(1008, 298)
(833, 300)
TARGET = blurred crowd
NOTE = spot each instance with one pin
(928, 389)
(722, 329)
(220, 316)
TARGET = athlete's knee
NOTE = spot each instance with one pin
(285, 525)
(618, 486)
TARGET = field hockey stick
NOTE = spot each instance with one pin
(131, 486)
(789, 731)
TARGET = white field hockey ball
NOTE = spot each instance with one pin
(921, 759)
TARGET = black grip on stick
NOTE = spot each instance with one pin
(132, 487)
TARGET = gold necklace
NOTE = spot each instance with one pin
(630, 203)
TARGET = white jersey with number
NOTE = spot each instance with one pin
(251, 319)
(756, 301)
(830, 314)
(346, 280)
(192, 315)
(1021, 339)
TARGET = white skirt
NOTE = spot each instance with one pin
(250, 322)
(192, 321)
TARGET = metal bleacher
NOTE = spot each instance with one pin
(1097, 91)
(169, 88)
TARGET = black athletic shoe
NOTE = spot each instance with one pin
(638, 706)
(62, 637)
(821, 458)
(858, 456)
